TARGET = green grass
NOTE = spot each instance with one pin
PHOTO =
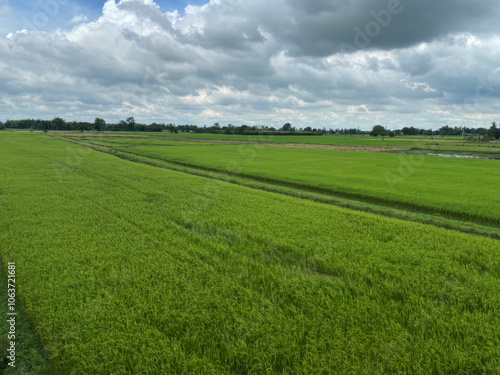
(314, 139)
(129, 268)
(30, 356)
(451, 144)
(319, 140)
(106, 146)
(329, 140)
(462, 189)
(407, 145)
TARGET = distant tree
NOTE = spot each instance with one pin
(58, 124)
(286, 127)
(140, 128)
(2, 126)
(243, 129)
(377, 130)
(123, 125)
(154, 127)
(99, 124)
(171, 128)
(229, 129)
(216, 128)
(45, 126)
(494, 131)
(447, 130)
(130, 124)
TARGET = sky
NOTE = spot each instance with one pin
(319, 63)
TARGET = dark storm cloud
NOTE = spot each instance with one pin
(326, 27)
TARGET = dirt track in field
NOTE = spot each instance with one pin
(227, 141)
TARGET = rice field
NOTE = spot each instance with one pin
(414, 144)
(466, 189)
(356, 140)
(126, 268)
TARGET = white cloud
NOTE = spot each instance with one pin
(5, 9)
(230, 60)
(210, 114)
(78, 19)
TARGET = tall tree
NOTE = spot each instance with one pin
(130, 124)
(99, 124)
(377, 130)
(494, 131)
(58, 124)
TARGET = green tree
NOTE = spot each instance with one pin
(378, 130)
(130, 123)
(46, 126)
(494, 131)
(171, 128)
(123, 125)
(216, 128)
(99, 124)
(58, 123)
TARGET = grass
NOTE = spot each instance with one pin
(30, 356)
(407, 144)
(129, 268)
(297, 192)
(461, 189)
(363, 140)
(415, 144)
(410, 142)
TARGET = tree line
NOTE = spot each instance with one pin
(466, 132)
(130, 125)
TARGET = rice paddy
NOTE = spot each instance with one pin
(127, 268)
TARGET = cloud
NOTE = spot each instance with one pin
(325, 27)
(262, 62)
(5, 9)
(78, 19)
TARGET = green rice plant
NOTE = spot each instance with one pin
(334, 140)
(411, 145)
(30, 357)
(128, 268)
(463, 189)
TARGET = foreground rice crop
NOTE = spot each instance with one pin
(128, 268)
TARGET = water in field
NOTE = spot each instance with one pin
(456, 156)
